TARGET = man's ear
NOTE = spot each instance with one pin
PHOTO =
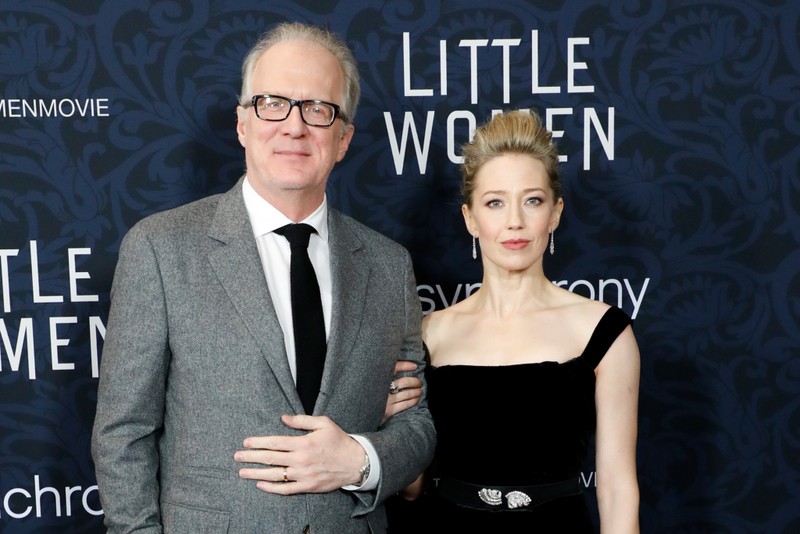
(241, 116)
(344, 141)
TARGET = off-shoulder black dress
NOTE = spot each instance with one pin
(522, 426)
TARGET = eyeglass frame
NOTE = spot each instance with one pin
(337, 111)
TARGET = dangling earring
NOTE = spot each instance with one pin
(552, 244)
(474, 248)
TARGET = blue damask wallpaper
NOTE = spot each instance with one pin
(679, 123)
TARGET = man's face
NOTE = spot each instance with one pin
(289, 157)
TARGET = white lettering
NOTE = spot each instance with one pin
(443, 67)
(86, 501)
(28, 107)
(444, 299)
(637, 302)
(37, 297)
(7, 508)
(557, 134)
(535, 89)
(473, 45)
(407, 90)
(102, 112)
(426, 300)
(68, 491)
(4, 254)
(573, 65)
(13, 105)
(451, 138)
(506, 44)
(399, 154)
(47, 110)
(40, 506)
(61, 107)
(24, 334)
(74, 276)
(95, 326)
(602, 286)
(590, 116)
(587, 481)
(56, 342)
(39, 492)
(82, 110)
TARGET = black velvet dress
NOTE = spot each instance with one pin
(520, 425)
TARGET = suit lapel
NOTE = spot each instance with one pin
(349, 278)
(238, 267)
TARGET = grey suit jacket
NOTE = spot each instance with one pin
(194, 362)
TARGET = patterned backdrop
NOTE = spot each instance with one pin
(679, 124)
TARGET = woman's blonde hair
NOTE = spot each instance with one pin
(513, 132)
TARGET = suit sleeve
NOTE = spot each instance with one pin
(405, 443)
(130, 403)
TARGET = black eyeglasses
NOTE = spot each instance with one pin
(313, 112)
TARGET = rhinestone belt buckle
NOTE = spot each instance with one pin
(493, 497)
(517, 499)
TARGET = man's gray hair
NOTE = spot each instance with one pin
(290, 31)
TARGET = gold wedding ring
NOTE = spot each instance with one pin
(285, 475)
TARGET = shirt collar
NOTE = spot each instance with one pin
(265, 218)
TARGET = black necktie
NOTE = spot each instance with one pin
(308, 322)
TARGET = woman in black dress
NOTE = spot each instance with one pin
(522, 372)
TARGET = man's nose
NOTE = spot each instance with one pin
(293, 124)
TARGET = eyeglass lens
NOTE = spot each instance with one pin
(277, 109)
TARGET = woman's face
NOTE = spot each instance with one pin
(512, 211)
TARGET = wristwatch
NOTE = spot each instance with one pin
(364, 471)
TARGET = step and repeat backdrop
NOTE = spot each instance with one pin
(678, 125)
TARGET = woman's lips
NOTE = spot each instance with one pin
(515, 244)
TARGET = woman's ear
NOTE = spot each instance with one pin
(468, 220)
(556, 217)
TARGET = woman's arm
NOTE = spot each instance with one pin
(617, 399)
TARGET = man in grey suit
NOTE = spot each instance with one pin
(199, 426)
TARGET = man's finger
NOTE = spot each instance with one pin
(272, 474)
(272, 443)
(304, 422)
(266, 457)
(280, 488)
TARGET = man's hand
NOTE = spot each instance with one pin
(321, 461)
(409, 391)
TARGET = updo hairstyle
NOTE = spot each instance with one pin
(513, 132)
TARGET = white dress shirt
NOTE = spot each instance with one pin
(276, 255)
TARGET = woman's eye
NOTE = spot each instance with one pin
(494, 203)
(534, 200)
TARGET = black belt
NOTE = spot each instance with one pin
(504, 498)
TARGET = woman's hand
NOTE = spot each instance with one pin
(409, 390)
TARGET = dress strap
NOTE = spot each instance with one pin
(609, 328)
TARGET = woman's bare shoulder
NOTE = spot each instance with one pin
(438, 325)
